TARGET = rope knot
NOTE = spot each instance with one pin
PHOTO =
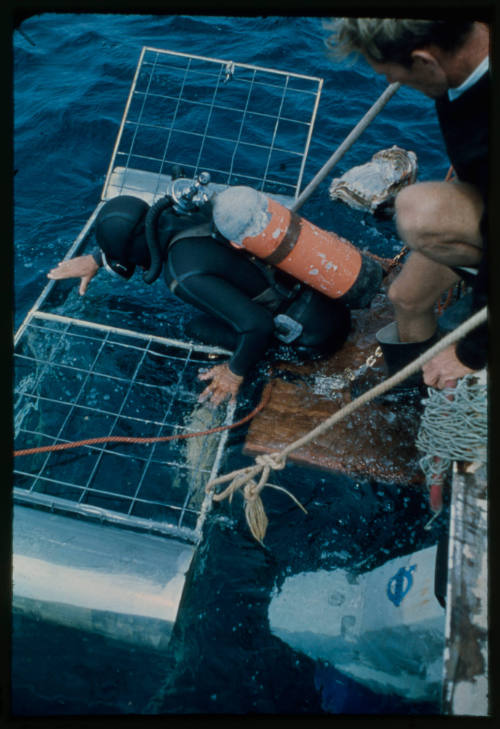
(251, 490)
(275, 461)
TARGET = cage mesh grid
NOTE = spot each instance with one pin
(79, 379)
(74, 382)
(243, 124)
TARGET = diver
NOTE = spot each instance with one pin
(248, 307)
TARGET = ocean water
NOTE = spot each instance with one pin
(70, 86)
(72, 74)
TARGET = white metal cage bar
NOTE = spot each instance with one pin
(267, 160)
(56, 359)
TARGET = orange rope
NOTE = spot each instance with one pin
(449, 174)
(444, 305)
(266, 395)
(384, 262)
(388, 263)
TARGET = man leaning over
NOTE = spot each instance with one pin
(443, 223)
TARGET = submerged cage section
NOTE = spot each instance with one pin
(244, 124)
(77, 381)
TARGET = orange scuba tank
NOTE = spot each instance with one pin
(330, 264)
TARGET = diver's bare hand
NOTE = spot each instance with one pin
(82, 267)
(224, 384)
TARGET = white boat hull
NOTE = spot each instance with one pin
(384, 628)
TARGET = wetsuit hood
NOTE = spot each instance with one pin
(120, 234)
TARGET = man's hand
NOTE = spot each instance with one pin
(224, 384)
(82, 267)
(444, 369)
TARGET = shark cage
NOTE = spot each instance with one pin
(104, 533)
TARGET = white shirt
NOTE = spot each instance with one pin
(470, 80)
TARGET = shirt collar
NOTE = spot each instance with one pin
(471, 80)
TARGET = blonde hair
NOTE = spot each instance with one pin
(393, 39)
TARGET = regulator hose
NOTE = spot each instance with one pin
(151, 228)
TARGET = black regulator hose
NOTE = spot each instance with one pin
(151, 230)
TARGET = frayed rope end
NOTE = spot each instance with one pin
(244, 478)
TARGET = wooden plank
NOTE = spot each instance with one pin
(376, 441)
(465, 685)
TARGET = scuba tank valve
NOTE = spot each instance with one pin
(188, 195)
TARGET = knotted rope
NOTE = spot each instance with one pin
(245, 478)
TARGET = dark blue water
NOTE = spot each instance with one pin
(70, 89)
(72, 75)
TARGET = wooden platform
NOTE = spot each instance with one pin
(466, 688)
(376, 441)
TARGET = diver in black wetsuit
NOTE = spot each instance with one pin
(248, 307)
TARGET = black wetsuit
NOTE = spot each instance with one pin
(233, 288)
(464, 124)
(206, 273)
(245, 299)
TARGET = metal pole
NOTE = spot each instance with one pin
(346, 144)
